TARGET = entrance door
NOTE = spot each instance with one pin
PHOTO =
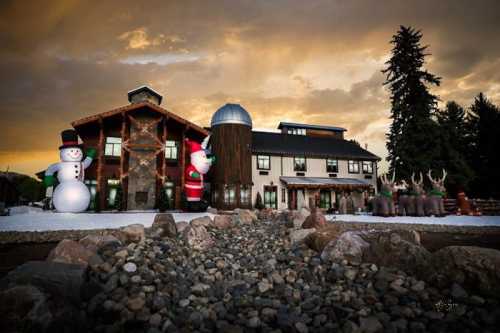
(270, 197)
(325, 200)
(170, 194)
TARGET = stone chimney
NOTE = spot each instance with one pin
(144, 94)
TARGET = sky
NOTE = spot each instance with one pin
(316, 62)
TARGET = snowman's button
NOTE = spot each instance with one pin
(76, 166)
(76, 171)
(76, 177)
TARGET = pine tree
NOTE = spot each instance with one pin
(413, 133)
(258, 202)
(162, 200)
(483, 137)
(452, 144)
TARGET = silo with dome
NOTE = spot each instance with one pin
(231, 141)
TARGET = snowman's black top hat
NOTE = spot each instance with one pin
(70, 139)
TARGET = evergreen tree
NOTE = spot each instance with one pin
(413, 133)
(258, 202)
(483, 137)
(162, 200)
(452, 144)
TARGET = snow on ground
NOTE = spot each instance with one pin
(45, 221)
(447, 220)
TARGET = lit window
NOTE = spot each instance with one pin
(367, 167)
(263, 162)
(229, 195)
(332, 165)
(353, 166)
(297, 131)
(113, 146)
(171, 150)
(270, 197)
(245, 195)
(299, 164)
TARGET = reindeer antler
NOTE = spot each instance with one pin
(444, 176)
(429, 174)
(421, 179)
(383, 179)
(413, 177)
(393, 177)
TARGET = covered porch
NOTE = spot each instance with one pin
(326, 192)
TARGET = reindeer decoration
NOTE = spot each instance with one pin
(406, 201)
(383, 203)
(434, 204)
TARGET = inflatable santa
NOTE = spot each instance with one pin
(193, 174)
(71, 195)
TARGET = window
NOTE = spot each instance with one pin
(171, 150)
(113, 146)
(353, 166)
(367, 167)
(229, 195)
(245, 195)
(297, 131)
(299, 164)
(263, 162)
(283, 195)
(92, 186)
(332, 165)
(270, 197)
(112, 189)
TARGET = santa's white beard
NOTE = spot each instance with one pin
(200, 162)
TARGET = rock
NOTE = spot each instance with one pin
(181, 226)
(264, 286)
(166, 222)
(253, 322)
(323, 236)
(61, 280)
(136, 303)
(97, 243)
(197, 237)
(245, 216)
(212, 210)
(70, 252)
(155, 320)
(315, 220)
(24, 306)
(200, 288)
(419, 286)
(122, 254)
(297, 219)
(183, 303)
(298, 236)
(277, 278)
(265, 214)
(203, 221)
(222, 222)
(370, 325)
(458, 292)
(133, 233)
(475, 268)
(349, 245)
(350, 273)
(130, 267)
(301, 327)
(350, 327)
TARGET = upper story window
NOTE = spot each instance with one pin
(299, 164)
(353, 166)
(113, 146)
(332, 165)
(367, 167)
(171, 150)
(297, 131)
(263, 162)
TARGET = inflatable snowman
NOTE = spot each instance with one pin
(71, 195)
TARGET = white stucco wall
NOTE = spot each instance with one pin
(283, 166)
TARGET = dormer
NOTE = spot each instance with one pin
(144, 94)
(311, 130)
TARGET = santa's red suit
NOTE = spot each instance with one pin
(193, 174)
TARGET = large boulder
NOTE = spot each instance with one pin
(315, 220)
(222, 222)
(98, 243)
(299, 235)
(61, 280)
(265, 214)
(71, 252)
(473, 267)
(204, 221)
(245, 216)
(197, 237)
(24, 308)
(349, 245)
(318, 240)
(164, 225)
(181, 225)
(133, 233)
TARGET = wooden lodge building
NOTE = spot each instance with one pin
(141, 151)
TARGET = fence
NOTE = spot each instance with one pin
(485, 206)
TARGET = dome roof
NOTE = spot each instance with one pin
(231, 114)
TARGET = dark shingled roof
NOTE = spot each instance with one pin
(286, 144)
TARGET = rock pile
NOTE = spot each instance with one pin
(237, 273)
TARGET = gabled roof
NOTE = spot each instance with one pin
(319, 127)
(144, 88)
(136, 106)
(325, 147)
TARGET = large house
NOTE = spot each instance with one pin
(141, 152)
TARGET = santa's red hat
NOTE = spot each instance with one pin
(193, 146)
